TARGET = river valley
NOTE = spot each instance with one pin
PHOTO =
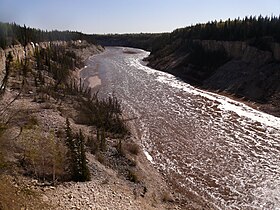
(208, 145)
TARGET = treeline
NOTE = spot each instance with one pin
(11, 34)
(145, 41)
(233, 30)
(256, 30)
(253, 29)
(259, 32)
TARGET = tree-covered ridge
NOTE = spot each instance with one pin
(233, 30)
(11, 34)
(260, 32)
(146, 41)
(257, 31)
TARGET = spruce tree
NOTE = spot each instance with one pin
(84, 173)
(9, 60)
(76, 150)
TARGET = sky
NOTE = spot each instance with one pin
(128, 16)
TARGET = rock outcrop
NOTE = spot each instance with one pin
(18, 52)
(233, 49)
(238, 49)
(275, 48)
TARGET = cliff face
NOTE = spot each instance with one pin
(2, 64)
(237, 49)
(81, 48)
(275, 47)
(233, 49)
(18, 52)
(246, 71)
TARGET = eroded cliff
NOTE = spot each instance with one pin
(19, 52)
(234, 67)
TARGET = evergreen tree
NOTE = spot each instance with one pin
(84, 174)
(76, 146)
(9, 60)
(103, 141)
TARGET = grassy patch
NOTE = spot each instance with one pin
(133, 176)
(167, 197)
(14, 197)
(31, 122)
(3, 151)
(43, 155)
(132, 148)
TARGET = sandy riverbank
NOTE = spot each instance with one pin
(94, 81)
(90, 76)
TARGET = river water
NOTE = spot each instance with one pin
(222, 151)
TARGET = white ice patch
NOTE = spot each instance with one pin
(149, 157)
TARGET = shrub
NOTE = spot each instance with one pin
(167, 197)
(103, 113)
(100, 157)
(92, 144)
(133, 148)
(31, 122)
(133, 176)
(132, 163)
(3, 151)
(19, 197)
(119, 147)
(3, 127)
(43, 155)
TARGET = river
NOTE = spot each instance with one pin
(221, 150)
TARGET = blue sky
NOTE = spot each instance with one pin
(128, 16)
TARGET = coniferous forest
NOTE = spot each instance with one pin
(233, 30)
(11, 34)
(256, 30)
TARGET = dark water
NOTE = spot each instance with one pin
(219, 149)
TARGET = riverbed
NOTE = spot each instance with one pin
(206, 145)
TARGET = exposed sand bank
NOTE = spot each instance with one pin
(94, 81)
(90, 76)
